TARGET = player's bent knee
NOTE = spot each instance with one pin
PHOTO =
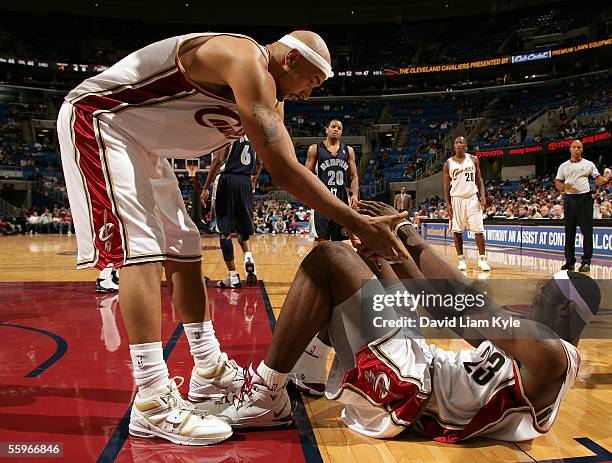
(331, 252)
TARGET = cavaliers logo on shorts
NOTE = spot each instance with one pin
(105, 234)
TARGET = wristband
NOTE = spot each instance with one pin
(401, 224)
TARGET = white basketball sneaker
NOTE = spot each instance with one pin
(483, 264)
(214, 383)
(462, 265)
(309, 375)
(255, 406)
(230, 281)
(167, 415)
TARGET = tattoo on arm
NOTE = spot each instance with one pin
(268, 120)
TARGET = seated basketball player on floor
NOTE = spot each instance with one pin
(508, 388)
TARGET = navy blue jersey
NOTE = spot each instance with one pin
(241, 159)
(333, 171)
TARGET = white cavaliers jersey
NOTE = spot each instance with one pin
(148, 96)
(463, 177)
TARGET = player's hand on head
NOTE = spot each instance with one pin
(378, 238)
(375, 209)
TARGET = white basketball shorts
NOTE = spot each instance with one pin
(467, 213)
(126, 204)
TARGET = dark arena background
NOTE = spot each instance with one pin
(520, 80)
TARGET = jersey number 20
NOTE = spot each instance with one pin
(335, 178)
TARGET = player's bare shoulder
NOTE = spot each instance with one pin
(209, 61)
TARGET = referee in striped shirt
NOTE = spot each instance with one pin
(573, 179)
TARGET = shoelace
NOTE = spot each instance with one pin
(175, 398)
(245, 390)
(240, 372)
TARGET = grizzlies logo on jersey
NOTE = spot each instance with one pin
(241, 159)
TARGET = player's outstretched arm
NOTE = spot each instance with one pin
(352, 162)
(245, 69)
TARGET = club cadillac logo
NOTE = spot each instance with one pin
(223, 119)
(380, 384)
(105, 234)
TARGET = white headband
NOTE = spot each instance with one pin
(309, 54)
(572, 294)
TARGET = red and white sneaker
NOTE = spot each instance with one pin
(255, 406)
(167, 415)
(215, 382)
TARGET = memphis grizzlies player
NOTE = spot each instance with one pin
(237, 169)
(334, 163)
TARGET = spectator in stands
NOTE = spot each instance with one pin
(557, 212)
(606, 210)
(545, 211)
(33, 224)
(534, 213)
(66, 223)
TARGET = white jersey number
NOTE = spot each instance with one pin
(336, 178)
(245, 156)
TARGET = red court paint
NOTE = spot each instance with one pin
(80, 399)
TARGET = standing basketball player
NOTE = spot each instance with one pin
(463, 186)
(334, 163)
(238, 169)
(182, 97)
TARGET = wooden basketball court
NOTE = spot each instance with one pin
(80, 395)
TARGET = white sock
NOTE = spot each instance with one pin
(150, 370)
(233, 273)
(461, 257)
(248, 255)
(482, 256)
(317, 348)
(203, 343)
(106, 272)
(272, 378)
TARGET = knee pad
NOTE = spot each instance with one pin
(227, 248)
